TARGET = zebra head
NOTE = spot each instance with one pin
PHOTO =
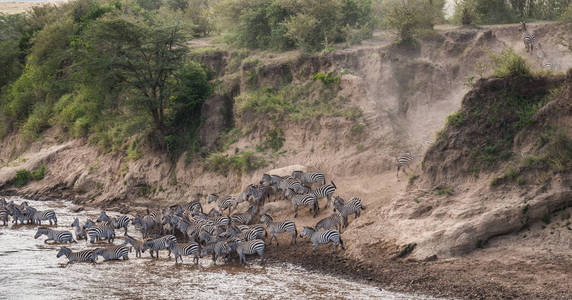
(307, 231)
(103, 217)
(63, 251)
(212, 198)
(97, 252)
(266, 218)
(214, 213)
(75, 223)
(88, 223)
(522, 26)
(41, 230)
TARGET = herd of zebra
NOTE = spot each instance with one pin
(186, 230)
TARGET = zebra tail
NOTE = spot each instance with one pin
(362, 207)
(333, 184)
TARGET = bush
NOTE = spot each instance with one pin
(408, 17)
(508, 63)
(241, 163)
(328, 79)
(484, 12)
(37, 122)
(274, 139)
(23, 177)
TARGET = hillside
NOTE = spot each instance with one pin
(349, 113)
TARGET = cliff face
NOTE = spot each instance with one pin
(388, 100)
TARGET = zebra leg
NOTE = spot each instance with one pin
(295, 210)
(342, 243)
(335, 245)
(315, 247)
(275, 238)
(261, 254)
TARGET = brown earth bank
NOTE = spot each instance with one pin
(462, 245)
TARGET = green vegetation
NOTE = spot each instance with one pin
(242, 162)
(455, 120)
(445, 191)
(508, 63)
(105, 70)
(306, 24)
(23, 177)
(274, 139)
(500, 11)
(411, 17)
(292, 102)
(328, 79)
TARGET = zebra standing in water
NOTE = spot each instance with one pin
(159, 244)
(40, 216)
(121, 222)
(218, 249)
(279, 227)
(250, 247)
(310, 178)
(325, 191)
(81, 256)
(96, 233)
(354, 206)
(56, 236)
(79, 232)
(323, 237)
(303, 200)
(185, 249)
(4, 213)
(112, 253)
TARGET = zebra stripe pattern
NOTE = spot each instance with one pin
(528, 39)
(185, 249)
(218, 249)
(332, 221)
(4, 213)
(81, 256)
(228, 202)
(325, 191)
(354, 206)
(112, 253)
(96, 233)
(250, 247)
(303, 200)
(45, 215)
(121, 222)
(56, 236)
(137, 244)
(322, 237)
(403, 162)
(310, 178)
(79, 231)
(159, 244)
(103, 217)
(279, 227)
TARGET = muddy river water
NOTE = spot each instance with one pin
(29, 269)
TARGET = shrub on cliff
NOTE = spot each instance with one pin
(407, 18)
(508, 63)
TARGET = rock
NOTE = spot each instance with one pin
(77, 209)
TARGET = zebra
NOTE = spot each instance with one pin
(193, 206)
(528, 39)
(185, 249)
(103, 217)
(159, 244)
(325, 191)
(121, 222)
(291, 183)
(218, 249)
(146, 223)
(403, 162)
(96, 233)
(40, 216)
(214, 213)
(310, 178)
(354, 206)
(331, 221)
(80, 256)
(56, 236)
(322, 237)
(79, 231)
(4, 213)
(303, 200)
(27, 213)
(244, 218)
(251, 234)
(112, 253)
(279, 227)
(137, 244)
(522, 27)
(228, 202)
(250, 247)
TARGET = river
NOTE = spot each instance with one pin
(29, 269)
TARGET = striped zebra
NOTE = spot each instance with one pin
(40, 216)
(112, 253)
(218, 249)
(146, 224)
(185, 249)
(80, 256)
(332, 221)
(193, 206)
(303, 200)
(214, 213)
(27, 213)
(290, 183)
(4, 213)
(279, 227)
(250, 247)
(54, 235)
(228, 202)
(325, 191)
(79, 231)
(310, 178)
(97, 233)
(403, 162)
(244, 218)
(136, 244)
(528, 39)
(323, 237)
(103, 217)
(121, 222)
(159, 244)
(253, 233)
(354, 206)
(522, 26)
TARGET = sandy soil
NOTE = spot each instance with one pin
(19, 7)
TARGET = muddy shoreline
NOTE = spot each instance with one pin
(459, 278)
